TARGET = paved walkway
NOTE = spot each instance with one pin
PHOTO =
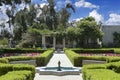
(65, 62)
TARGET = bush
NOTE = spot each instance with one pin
(3, 60)
(94, 51)
(23, 50)
(4, 68)
(109, 71)
(19, 58)
(17, 75)
(19, 67)
(74, 58)
(100, 74)
(112, 59)
(44, 58)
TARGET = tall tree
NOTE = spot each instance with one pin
(90, 30)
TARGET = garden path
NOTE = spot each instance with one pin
(65, 62)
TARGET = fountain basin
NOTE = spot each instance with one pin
(53, 71)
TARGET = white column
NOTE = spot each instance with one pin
(43, 41)
(54, 42)
(63, 42)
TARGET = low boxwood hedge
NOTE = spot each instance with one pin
(17, 75)
(44, 58)
(76, 59)
(4, 68)
(21, 50)
(101, 74)
(3, 60)
(19, 58)
(108, 71)
(101, 50)
(19, 67)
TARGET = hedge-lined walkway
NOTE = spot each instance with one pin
(65, 62)
(54, 62)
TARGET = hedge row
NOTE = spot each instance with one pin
(101, 74)
(19, 58)
(76, 59)
(109, 71)
(94, 51)
(44, 58)
(41, 60)
(97, 50)
(3, 60)
(4, 68)
(23, 50)
(17, 75)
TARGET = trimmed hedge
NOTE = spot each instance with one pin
(94, 51)
(44, 58)
(101, 74)
(74, 58)
(19, 67)
(19, 50)
(108, 71)
(19, 58)
(4, 68)
(17, 75)
(3, 60)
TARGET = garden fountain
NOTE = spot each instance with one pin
(59, 71)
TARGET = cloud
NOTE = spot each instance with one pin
(83, 3)
(43, 4)
(97, 16)
(114, 19)
(3, 16)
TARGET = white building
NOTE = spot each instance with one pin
(108, 31)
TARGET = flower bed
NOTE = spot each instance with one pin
(21, 54)
(98, 54)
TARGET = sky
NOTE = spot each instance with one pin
(106, 11)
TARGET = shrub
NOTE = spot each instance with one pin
(3, 60)
(4, 68)
(44, 58)
(23, 50)
(109, 71)
(19, 67)
(100, 74)
(74, 58)
(17, 75)
(112, 59)
(19, 58)
(94, 51)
